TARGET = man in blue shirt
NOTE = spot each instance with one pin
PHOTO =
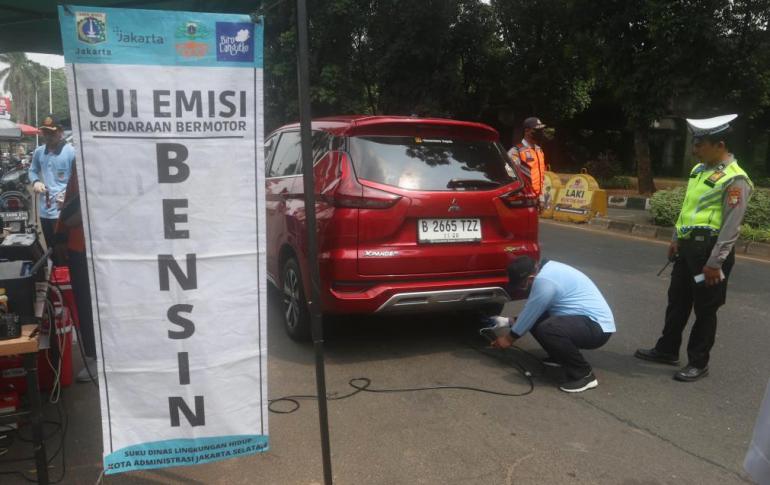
(565, 312)
(49, 173)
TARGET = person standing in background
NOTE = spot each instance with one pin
(49, 173)
(529, 157)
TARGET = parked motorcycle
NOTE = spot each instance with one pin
(15, 198)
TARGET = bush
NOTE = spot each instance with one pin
(666, 204)
(616, 182)
(604, 167)
(748, 233)
(758, 213)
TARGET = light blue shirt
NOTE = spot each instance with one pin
(53, 168)
(562, 290)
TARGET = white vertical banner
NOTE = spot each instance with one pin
(167, 115)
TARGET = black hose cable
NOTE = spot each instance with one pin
(61, 426)
(363, 384)
(57, 429)
(83, 356)
(64, 418)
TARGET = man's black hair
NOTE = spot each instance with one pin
(520, 269)
(725, 136)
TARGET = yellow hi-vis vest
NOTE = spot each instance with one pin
(702, 207)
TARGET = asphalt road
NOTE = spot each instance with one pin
(639, 427)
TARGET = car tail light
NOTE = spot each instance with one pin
(351, 286)
(352, 195)
(518, 198)
(13, 204)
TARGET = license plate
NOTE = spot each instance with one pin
(14, 216)
(448, 230)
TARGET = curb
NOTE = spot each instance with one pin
(759, 250)
(621, 226)
(755, 249)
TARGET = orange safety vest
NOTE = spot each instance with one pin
(532, 166)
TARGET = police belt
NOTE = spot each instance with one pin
(699, 238)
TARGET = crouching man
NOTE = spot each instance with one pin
(565, 312)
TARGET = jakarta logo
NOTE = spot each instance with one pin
(91, 27)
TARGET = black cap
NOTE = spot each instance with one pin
(520, 269)
(534, 123)
(50, 123)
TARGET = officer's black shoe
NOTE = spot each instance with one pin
(690, 373)
(654, 356)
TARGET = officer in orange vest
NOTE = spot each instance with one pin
(528, 155)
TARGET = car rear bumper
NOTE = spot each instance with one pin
(417, 296)
(443, 300)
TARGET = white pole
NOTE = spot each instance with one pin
(50, 92)
(37, 124)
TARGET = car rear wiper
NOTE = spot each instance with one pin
(456, 183)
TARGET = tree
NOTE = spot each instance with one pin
(684, 59)
(549, 56)
(584, 66)
(435, 58)
(21, 78)
(59, 96)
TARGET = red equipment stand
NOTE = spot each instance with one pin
(54, 361)
(41, 357)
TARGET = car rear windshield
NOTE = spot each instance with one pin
(417, 163)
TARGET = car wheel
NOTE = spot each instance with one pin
(296, 316)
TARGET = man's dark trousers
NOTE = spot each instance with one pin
(684, 295)
(82, 291)
(48, 226)
(562, 336)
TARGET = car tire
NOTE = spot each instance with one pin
(296, 315)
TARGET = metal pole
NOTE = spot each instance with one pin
(50, 91)
(37, 125)
(312, 241)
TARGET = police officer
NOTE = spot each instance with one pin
(528, 155)
(703, 248)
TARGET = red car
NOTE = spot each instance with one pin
(414, 215)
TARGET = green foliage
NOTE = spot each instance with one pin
(550, 56)
(602, 65)
(665, 206)
(758, 212)
(397, 57)
(617, 182)
(748, 233)
(604, 167)
(59, 96)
